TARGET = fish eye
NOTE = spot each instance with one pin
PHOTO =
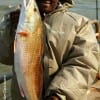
(35, 9)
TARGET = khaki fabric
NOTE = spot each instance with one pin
(72, 56)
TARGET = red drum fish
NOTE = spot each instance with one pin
(28, 49)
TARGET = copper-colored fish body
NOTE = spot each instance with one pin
(28, 51)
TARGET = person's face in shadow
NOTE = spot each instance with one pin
(46, 6)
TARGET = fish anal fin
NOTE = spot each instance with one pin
(21, 91)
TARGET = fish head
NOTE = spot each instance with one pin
(29, 17)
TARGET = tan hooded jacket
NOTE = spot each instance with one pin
(72, 58)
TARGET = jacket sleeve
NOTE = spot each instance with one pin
(79, 64)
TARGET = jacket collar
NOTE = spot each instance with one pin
(61, 7)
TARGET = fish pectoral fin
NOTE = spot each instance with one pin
(23, 34)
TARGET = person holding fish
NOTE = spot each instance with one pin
(71, 57)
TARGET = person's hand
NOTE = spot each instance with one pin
(14, 16)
